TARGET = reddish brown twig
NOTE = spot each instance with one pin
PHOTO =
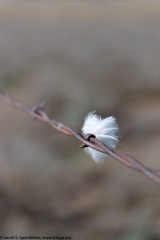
(40, 114)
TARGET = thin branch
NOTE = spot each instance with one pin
(39, 114)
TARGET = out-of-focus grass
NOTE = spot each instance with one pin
(10, 79)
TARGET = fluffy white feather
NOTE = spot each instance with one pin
(104, 130)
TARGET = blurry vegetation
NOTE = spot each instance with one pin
(10, 79)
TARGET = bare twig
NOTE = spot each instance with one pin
(39, 113)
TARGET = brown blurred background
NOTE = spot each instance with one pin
(79, 56)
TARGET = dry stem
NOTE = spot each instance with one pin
(39, 113)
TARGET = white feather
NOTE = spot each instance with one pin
(104, 130)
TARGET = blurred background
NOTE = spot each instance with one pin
(79, 56)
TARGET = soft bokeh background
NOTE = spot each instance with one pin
(79, 56)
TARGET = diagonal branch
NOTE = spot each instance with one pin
(39, 114)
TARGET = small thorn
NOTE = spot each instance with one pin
(83, 145)
(90, 135)
(88, 138)
(41, 106)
